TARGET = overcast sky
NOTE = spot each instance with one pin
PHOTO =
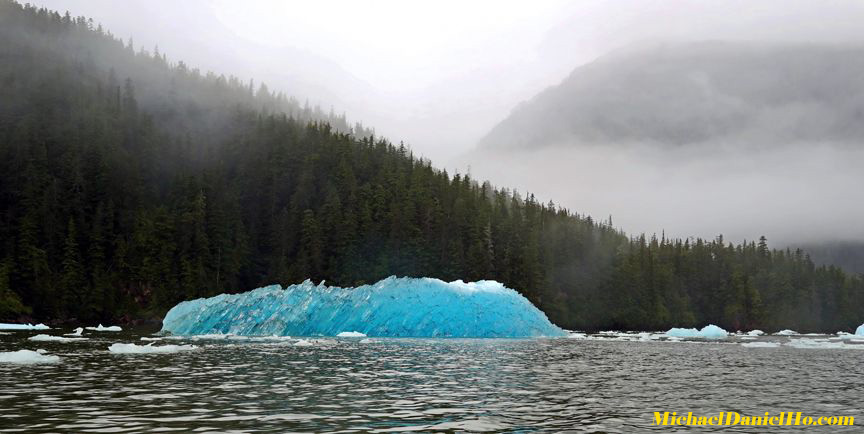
(440, 74)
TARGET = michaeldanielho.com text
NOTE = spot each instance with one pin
(733, 418)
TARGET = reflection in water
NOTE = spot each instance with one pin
(415, 384)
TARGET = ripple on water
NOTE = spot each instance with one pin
(251, 385)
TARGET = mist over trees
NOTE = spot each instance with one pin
(131, 182)
(745, 138)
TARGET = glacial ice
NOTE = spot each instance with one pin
(708, 332)
(4, 326)
(860, 330)
(27, 357)
(77, 332)
(397, 307)
(49, 338)
(756, 332)
(351, 335)
(148, 349)
(786, 332)
(102, 328)
(822, 344)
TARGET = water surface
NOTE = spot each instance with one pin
(351, 385)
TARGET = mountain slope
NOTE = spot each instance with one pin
(709, 92)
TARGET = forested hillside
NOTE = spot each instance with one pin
(129, 182)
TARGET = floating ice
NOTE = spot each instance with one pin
(351, 335)
(860, 330)
(786, 332)
(821, 344)
(405, 307)
(148, 349)
(761, 344)
(303, 343)
(708, 332)
(849, 336)
(27, 357)
(28, 326)
(675, 332)
(755, 333)
(77, 332)
(49, 338)
(102, 328)
(367, 341)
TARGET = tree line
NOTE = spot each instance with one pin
(130, 183)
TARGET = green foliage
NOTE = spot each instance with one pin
(131, 183)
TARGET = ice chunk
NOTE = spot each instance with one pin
(145, 338)
(303, 343)
(708, 332)
(860, 330)
(786, 332)
(713, 332)
(675, 332)
(77, 332)
(102, 328)
(367, 341)
(405, 307)
(28, 326)
(755, 333)
(49, 338)
(148, 349)
(761, 344)
(351, 335)
(577, 335)
(27, 357)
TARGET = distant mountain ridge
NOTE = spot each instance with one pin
(688, 93)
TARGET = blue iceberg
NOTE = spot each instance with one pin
(708, 332)
(396, 307)
(860, 330)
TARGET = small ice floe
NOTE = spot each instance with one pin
(577, 335)
(77, 332)
(208, 337)
(276, 338)
(149, 339)
(27, 357)
(818, 344)
(367, 341)
(303, 343)
(148, 349)
(102, 328)
(755, 333)
(708, 332)
(354, 334)
(28, 326)
(49, 338)
(760, 344)
(786, 332)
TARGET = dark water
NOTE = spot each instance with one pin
(343, 385)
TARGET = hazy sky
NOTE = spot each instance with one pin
(440, 74)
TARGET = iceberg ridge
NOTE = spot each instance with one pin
(396, 307)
